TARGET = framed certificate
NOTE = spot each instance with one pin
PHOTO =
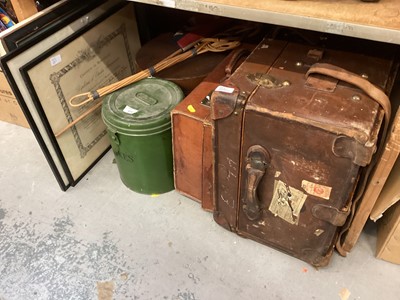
(79, 57)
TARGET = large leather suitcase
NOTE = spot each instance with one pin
(191, 134)
(290, 143)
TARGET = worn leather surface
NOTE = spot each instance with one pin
(307, 189)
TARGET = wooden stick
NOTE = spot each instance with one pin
(85, 114)
(207, 44)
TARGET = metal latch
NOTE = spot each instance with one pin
(207, 100)
(266, 80)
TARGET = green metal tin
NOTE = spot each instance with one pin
(138, 123)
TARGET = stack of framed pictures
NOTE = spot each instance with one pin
(81, 48)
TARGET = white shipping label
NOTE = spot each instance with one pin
(55, 60)
(287, 202)
(129, 110)
(224, 89)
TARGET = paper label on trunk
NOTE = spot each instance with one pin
(225, 89)
(287, 202)
(316, 189)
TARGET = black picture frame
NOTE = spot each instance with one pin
(17, 74)
(50, 20)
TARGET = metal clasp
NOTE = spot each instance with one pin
(266, 80)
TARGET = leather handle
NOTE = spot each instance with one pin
(383, 100)
(257, 162)
(236, 56)
(341, 74)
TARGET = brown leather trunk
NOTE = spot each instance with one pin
(191, 134)
(290, 144)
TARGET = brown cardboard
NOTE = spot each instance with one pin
(24, 8)
(377, 181)
(388, 237)
(387, 205)
(390, 193)
(10, 110)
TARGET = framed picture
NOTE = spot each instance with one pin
(77, 58)
(50, 19)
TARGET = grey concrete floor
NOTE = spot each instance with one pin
(99, 240)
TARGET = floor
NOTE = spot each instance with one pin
(99, 240)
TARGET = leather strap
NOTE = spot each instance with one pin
(371, 90)
(380, 97)
(236, 56)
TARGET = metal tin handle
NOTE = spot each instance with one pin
(114, 140)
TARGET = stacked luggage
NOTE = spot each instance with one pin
(295, 130)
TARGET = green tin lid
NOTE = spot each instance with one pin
(142, 108)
